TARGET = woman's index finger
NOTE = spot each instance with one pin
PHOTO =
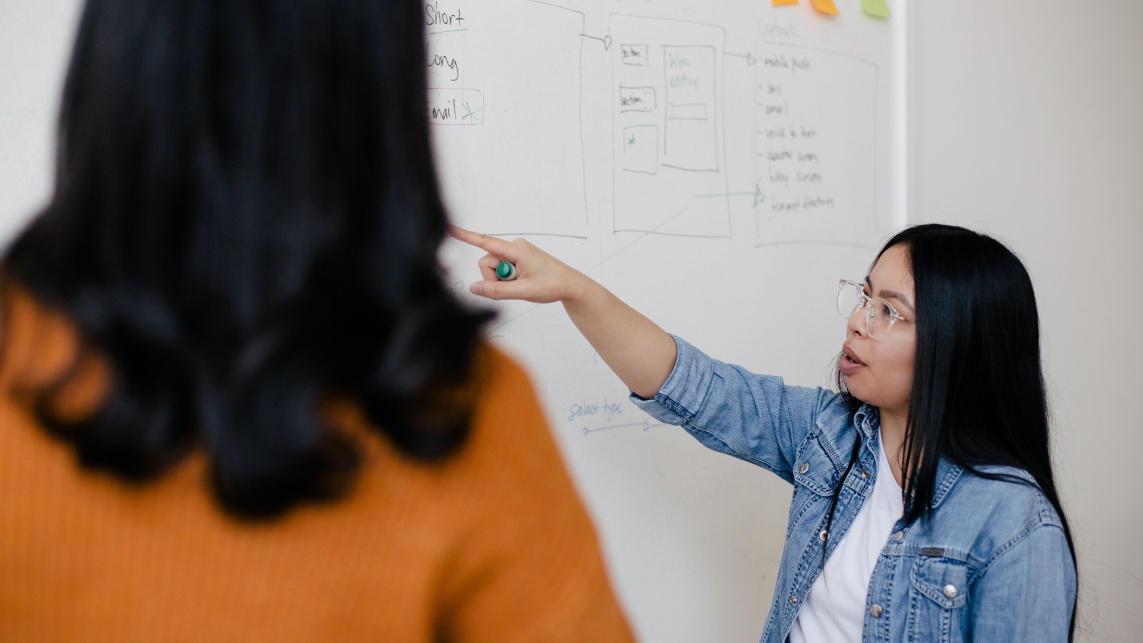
(493, 245)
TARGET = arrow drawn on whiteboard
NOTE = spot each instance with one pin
(606, 40)
(750, 59)
(645, 425)
(757, 194)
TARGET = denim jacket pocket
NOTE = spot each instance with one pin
(937, 609)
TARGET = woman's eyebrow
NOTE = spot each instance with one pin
(891, 294)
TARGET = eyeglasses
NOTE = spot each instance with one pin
(880, 315)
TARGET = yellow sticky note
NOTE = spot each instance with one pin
(825, 6)
(783, 3)
(875, 8)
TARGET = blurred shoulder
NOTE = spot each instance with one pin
(497, 372)
(506, 404)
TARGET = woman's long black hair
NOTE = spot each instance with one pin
(978, 394)
(246, 222)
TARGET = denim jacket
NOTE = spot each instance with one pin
(990, 563)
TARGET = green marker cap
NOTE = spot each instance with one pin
(505, 271)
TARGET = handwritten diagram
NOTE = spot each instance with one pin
(667, 127)
(507, 106)
(815, 145)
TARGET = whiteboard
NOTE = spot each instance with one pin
(718, 165)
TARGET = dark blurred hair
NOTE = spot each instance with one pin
(978, 394)
(245, 222)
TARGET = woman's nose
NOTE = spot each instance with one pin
(856, 321)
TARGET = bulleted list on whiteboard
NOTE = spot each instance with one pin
(816, 144)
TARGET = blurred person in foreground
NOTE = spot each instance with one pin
(238, 401)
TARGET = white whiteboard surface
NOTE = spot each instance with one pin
(718, 165)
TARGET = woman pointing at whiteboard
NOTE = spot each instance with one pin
(924, 505)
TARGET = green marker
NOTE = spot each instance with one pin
(505, 271)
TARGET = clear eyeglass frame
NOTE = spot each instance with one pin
(880, 315)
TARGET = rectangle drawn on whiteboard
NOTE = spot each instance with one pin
(633, 55)
(641, 149)
(636, 99)
(687, 112)
(690, 96)
(667, 127)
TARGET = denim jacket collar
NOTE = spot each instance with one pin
(868, 422)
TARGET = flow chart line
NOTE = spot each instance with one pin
(606, 40)
(749, 57)
(646, 425)
(757, 194)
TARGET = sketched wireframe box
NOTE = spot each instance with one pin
(641, 149)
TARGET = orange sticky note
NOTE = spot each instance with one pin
(825, 6)
(783, 3)
(875, 8)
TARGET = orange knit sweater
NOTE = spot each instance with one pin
(492, 545)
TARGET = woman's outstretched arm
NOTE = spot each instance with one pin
(634, 347)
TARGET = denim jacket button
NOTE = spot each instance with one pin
(949, 591)
(898, 536)
(875, 610)
(865, 473)
(823, 535)
(793, 600)
(804, 468)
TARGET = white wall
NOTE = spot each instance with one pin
(35, 39)
(1028, 123)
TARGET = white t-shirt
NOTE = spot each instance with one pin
(834, 610)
